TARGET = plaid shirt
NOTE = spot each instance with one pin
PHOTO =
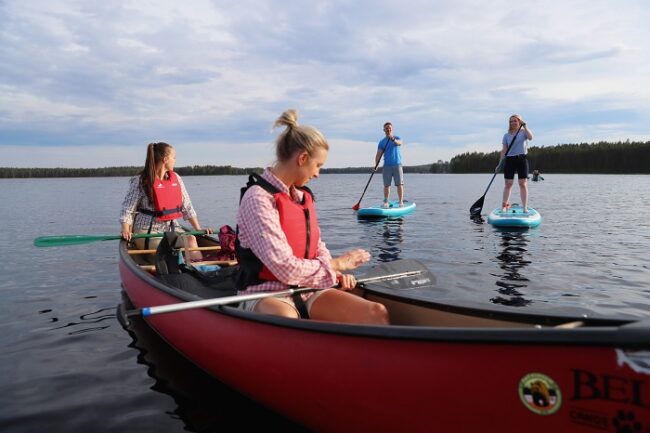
(136, 199)
(260, 230)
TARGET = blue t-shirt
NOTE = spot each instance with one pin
(392, 154)
(519, 147)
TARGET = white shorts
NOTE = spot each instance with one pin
(153, 241)
(308, 298)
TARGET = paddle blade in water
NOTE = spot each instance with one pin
(60, 241)
(476, 208)
(356, 207)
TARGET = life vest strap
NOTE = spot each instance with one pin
(161, 213)
(256, 179)
(251, 269)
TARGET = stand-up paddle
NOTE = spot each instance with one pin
(358, 205)
(64, 240)
(476, 208)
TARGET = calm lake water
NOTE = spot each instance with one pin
(67, 365)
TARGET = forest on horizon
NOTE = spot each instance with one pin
(593, 158)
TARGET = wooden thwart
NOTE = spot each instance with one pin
(217, 247)
(570, 325)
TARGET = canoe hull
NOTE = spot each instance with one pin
(342, 378)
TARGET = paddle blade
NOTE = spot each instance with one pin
(399, 275)
(476, 208)
(60, 241)
(356, 206)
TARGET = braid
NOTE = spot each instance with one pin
(156, 152)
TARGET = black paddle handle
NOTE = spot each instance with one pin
(374, 170)
(508, 150)
(513, 139)
(475, 209)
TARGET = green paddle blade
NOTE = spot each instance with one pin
(65, 240)
(60, 241)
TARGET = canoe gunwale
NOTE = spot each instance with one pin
(632, 335)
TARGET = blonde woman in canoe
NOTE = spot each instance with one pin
(279, 242)
(156, 198)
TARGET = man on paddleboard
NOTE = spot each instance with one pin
(389, 147)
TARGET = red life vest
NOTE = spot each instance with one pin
(167, 198)
(299, 224)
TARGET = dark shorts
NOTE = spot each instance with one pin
(517, 163)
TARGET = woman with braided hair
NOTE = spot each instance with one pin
(156, 198)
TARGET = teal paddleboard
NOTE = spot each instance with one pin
(392, 211)
(515, 217)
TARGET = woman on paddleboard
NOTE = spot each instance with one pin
(279, 244)
(155, 198)
(514, 149)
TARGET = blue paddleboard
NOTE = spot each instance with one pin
(392, 211)
(515, 217)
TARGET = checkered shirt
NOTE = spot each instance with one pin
(136, 199)
(260, 230)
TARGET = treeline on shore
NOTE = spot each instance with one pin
(597, 158)
(440, 167)
(196, 170)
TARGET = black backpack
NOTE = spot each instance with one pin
(172, 269)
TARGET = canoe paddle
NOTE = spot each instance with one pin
(476, 208)
(423, 277)
(358, 205)
(65, 240)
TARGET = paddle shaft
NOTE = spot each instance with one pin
(149, 311)
(512, 141)
(479, 203)
(356, 206)
(214, 248)
(490, 184)
(63, 240)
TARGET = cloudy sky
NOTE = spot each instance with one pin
(89, 83)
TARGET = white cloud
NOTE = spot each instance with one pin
(91, 74)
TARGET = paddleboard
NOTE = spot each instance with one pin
(392, 211)
(515, 217)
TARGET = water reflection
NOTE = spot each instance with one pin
(477, 219)
(512, 260)
(88, 322)
(203, 403)
(387, 236)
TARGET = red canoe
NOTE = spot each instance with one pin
(438, 368)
